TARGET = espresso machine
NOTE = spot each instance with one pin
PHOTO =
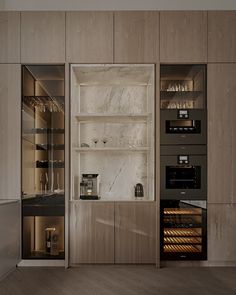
(89, 187)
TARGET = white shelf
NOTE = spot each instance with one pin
(111, 149)
(112, 118)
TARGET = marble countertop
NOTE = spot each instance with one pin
(115, 200)
(4, 202)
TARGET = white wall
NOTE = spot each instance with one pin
(117, 4)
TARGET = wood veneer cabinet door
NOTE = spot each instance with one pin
(9, 37)
(221, 133)
(92, 232)
(135, 232)
(221, 232)
(222, 36)
(136, 36)
(89, 37)
(183, 36)
(10, 132)
(42, 37)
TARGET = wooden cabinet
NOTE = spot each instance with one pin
(92, 232)
(222, 36)
(136, 36)
(221, 133)
(10, 236)
(42, 37)
(9, 37)
(89, 37)
(10, 132)
(135, 232)
(183, 36)
(221, 232)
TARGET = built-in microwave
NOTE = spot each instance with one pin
(183, 172)
(183, 126)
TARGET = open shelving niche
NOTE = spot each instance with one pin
(115, 102)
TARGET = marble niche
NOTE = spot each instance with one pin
(113, 104)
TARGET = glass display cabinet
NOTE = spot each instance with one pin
(183, 86)
(183, 104)
(112, 131)
(43, 145)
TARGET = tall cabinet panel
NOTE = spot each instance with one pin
(10, 37)
(10, 118)
(183, 36)
(89, 37)
(221, 133)
(92, 232)
(222, 36)
(136, 36)
(221, 233)
(42, 37)
(135, 232)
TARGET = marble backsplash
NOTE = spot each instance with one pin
(119, 173)
(113, 99)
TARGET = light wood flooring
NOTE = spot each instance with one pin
(120, 280)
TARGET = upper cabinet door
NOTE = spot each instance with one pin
(42, 37)
(10, 132)
(136, 37)
(89, 37)
(222, 36)
(221, 133)
(183, 36)
(9, 37)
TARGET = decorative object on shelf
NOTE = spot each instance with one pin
(46, 182)
(95, 141)
(104, 140)
(51, 241)
(138, 190)
(58, 190)
(83, 144)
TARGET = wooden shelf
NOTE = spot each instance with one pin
(112, 118)
(112, 149)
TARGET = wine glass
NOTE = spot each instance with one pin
(104, 140)
(95, 140)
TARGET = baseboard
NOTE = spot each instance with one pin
(41, 263)
(198, 263)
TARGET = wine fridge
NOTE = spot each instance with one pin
(183, 230)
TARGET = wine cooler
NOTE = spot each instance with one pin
(183, 230)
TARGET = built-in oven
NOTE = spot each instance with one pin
(183, 172)
(183, 230)
(182, 126)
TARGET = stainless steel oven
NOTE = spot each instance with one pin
(183, 172)
(183, 127)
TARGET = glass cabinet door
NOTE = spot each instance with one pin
(183, 86)
(43, 145)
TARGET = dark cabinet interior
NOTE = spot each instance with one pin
(43, 146)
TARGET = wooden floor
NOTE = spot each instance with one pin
(120, 280)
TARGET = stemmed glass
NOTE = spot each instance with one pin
(95, 140)
(104, 140)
